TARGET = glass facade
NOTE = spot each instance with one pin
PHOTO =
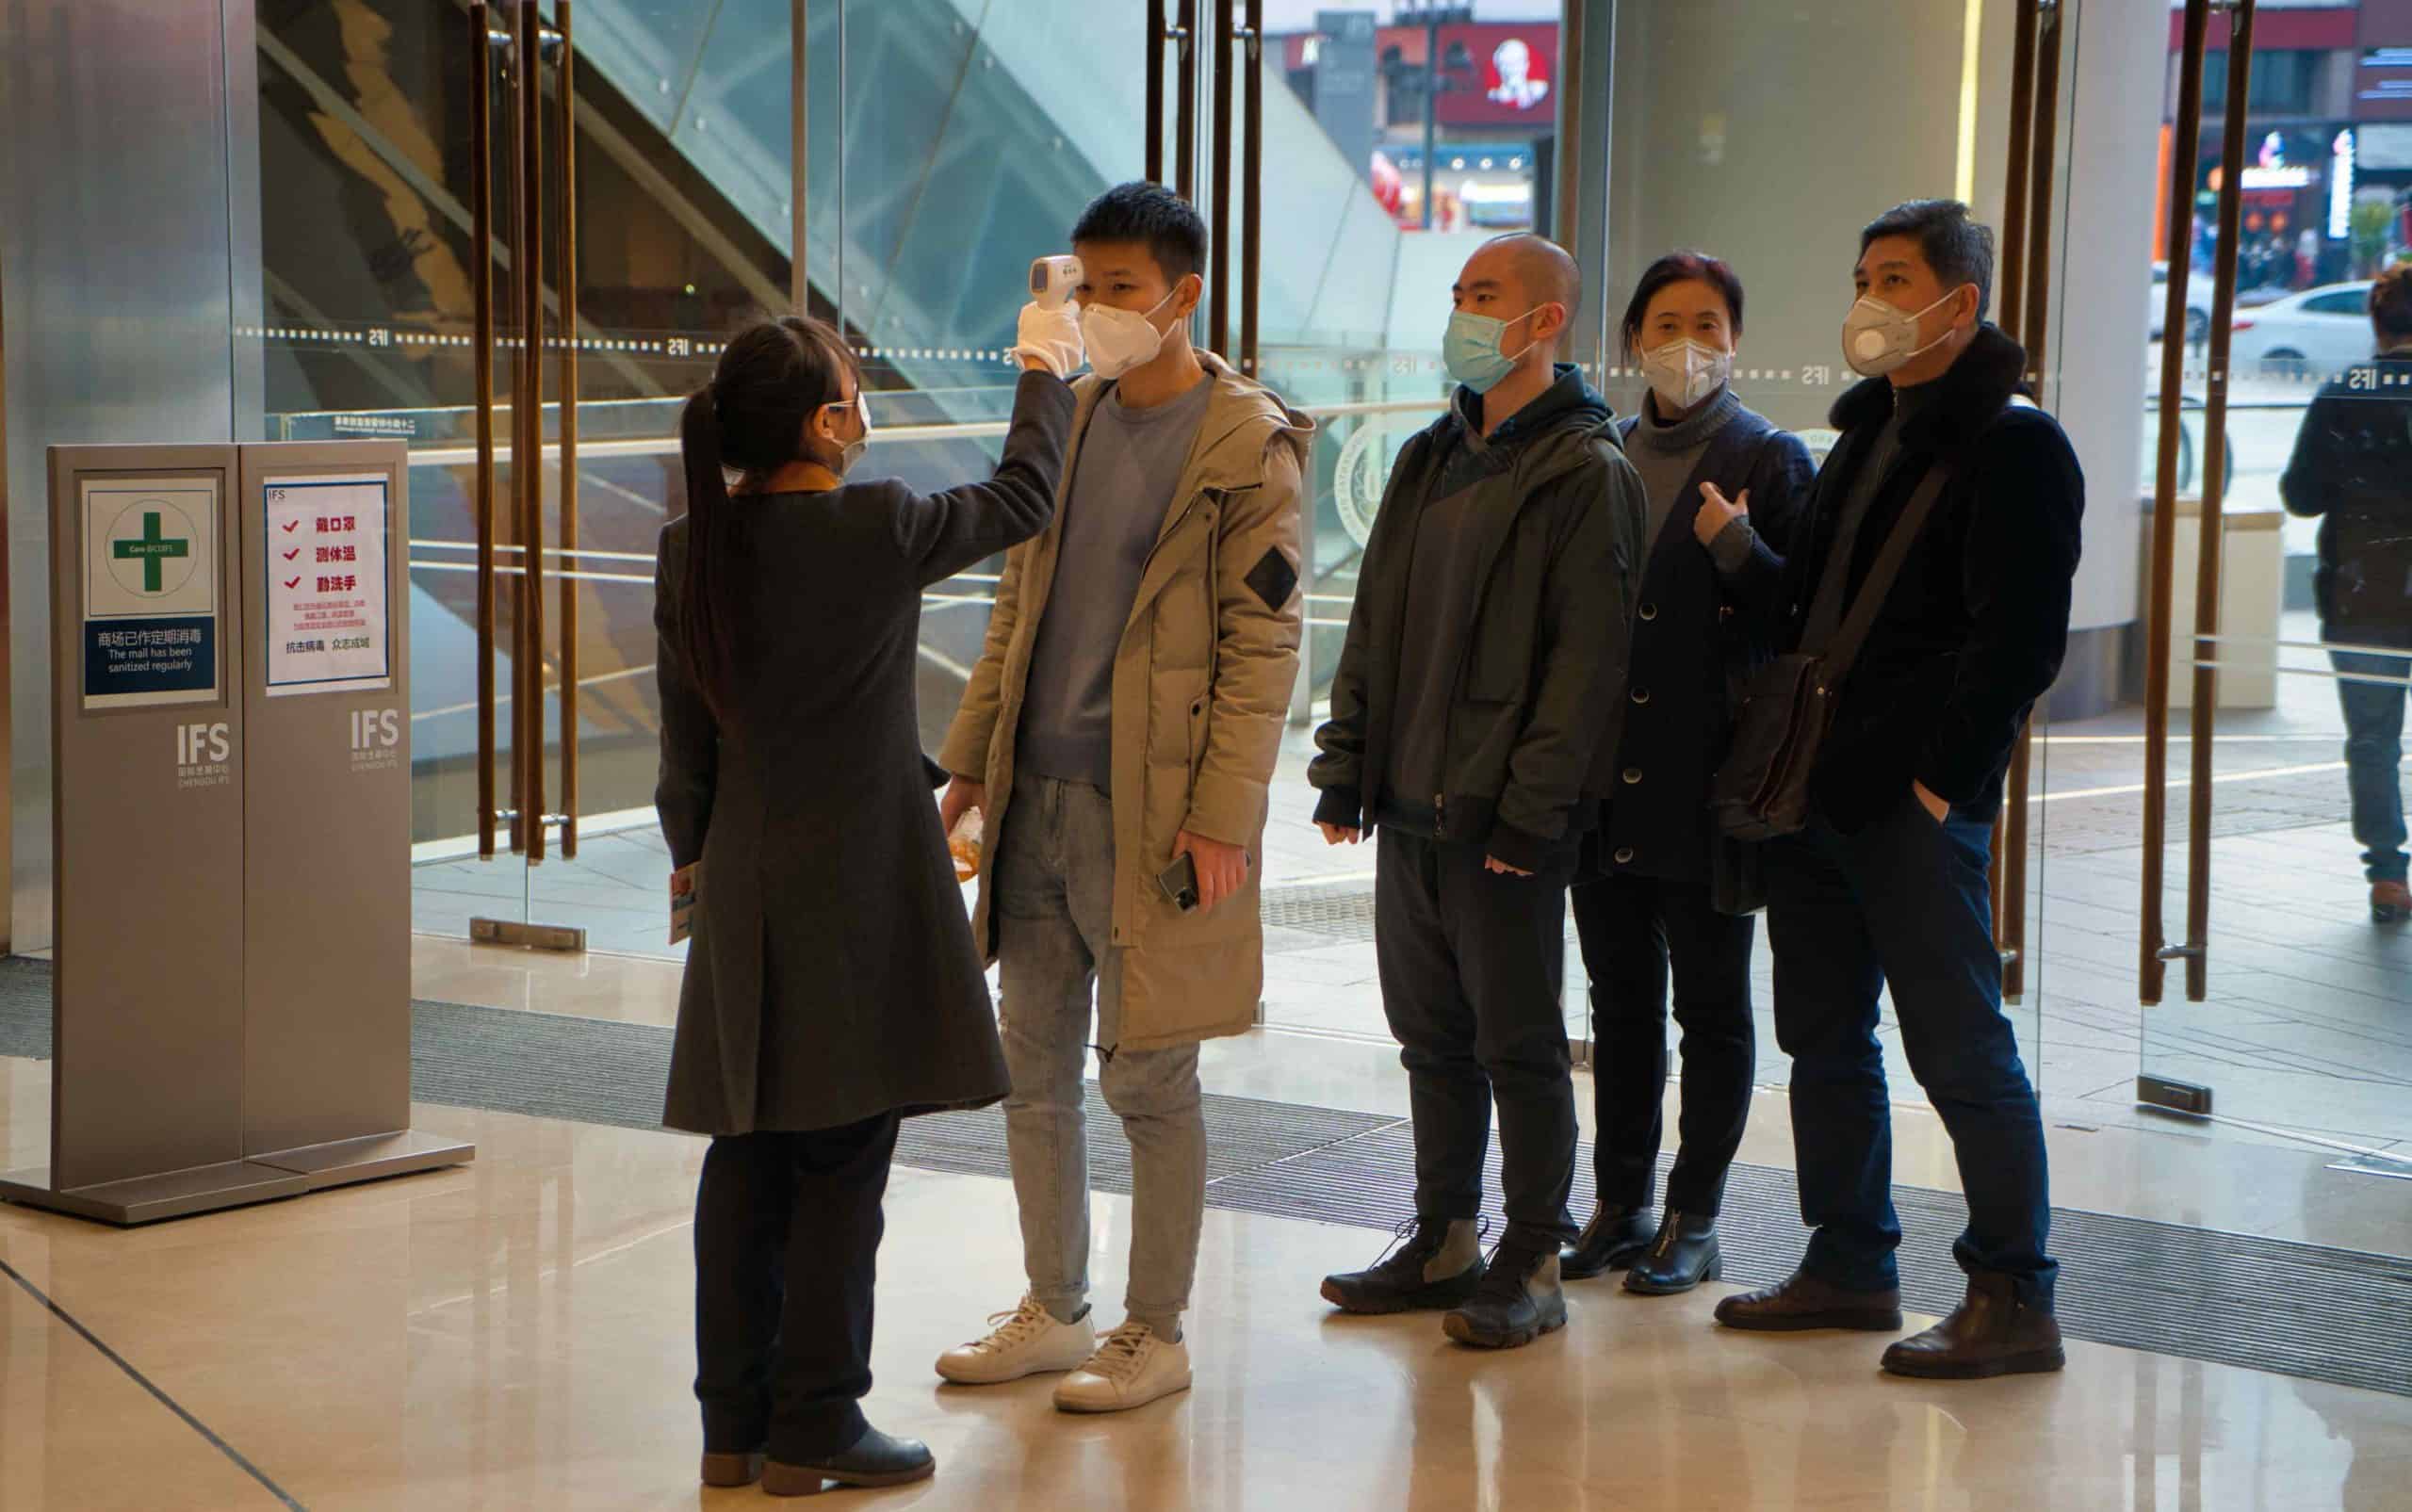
(944, 144)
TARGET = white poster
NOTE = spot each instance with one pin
(326, 585)
(150, 592)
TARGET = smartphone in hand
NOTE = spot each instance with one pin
(1180, 882)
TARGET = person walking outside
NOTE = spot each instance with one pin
(831, 987)
(2352, 471)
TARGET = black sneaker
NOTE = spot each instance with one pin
(1518, 1302)
(1432, 1263)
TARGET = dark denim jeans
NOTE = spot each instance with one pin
(2374, 757)
(1903, 902)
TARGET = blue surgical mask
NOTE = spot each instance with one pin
(1471, 350)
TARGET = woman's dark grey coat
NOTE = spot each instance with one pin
(832, 976)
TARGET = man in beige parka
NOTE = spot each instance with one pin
(1124, 719)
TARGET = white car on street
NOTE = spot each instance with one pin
(2198, 304)
(2314, 334)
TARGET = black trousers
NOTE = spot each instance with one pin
(1632, 928)
(787, 1248)
(1472, 964)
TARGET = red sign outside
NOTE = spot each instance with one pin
(1510, 77)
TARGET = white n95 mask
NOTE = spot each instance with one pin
(1683, 372)
(1119, 340)
(1878, 337)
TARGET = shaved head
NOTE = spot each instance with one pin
(1548, 275)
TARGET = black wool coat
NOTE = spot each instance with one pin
(1975, 628)
(832, 976)
(1698, 633)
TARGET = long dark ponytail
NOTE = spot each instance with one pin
(750, 417)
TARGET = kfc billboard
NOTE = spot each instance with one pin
(1510, 77)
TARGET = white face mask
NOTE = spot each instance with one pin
(1119, 340)
(1684, 372)
(1878, 337)
(851, 452)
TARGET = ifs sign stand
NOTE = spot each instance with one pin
(229, 703)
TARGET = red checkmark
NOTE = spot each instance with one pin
(294, 525)
(293, 582)
(295, 552)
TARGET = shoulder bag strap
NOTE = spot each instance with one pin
(1844, 649)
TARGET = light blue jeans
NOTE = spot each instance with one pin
(1054, 908)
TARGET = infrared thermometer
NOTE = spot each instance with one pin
(1053, 279)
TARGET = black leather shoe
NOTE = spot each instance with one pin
(1518, 1302)
(1433, 1264)
(1993, 1333)
(1802, 1302)
(1684, 1254)
(1614, 1239)
(877, 1459)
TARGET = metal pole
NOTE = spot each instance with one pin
(528, 263)
(2013, 296)
(1220, 324)
(481, 238)
(1155, 90)
(1431, 99)
(2043, 168)
(565, 100)
(799, 159)
(2212, 539)
(1251, 184)
(1186, 130)
(2186, 143)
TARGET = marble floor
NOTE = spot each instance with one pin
(515, 1335)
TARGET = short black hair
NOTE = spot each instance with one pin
(1170, 225)
(1681, 268)
(1958, 246)
(2391, 300)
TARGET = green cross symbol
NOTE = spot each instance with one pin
(154, 550)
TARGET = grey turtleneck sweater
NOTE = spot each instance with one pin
(1666, 455)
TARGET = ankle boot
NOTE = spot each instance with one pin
(1684, 1254)
(1993, 1333)
(1433, 1264)
(1614, 1239)
(877, 1459)
(1518, 1302)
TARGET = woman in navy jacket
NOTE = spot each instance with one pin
(1661, 888)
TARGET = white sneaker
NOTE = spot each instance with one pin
(1134, 1367)
(1025, 1341)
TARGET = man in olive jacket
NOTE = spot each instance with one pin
(1126, 713)
(1472, 719)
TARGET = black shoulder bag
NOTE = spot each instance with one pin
(1761, 792)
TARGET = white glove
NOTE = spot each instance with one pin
(1051, 336)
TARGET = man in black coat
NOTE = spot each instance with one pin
(1887, 885)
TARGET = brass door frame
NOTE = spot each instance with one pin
(2154, 950)
(509, 40)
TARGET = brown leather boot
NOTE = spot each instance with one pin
(2390, 903)
(1803, 1302)
(732, 1470)
(1993, 1333)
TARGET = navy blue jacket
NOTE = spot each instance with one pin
(1698, 634)
(1975, 628)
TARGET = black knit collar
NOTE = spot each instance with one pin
(1959, 405)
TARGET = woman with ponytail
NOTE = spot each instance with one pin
(832, 988)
